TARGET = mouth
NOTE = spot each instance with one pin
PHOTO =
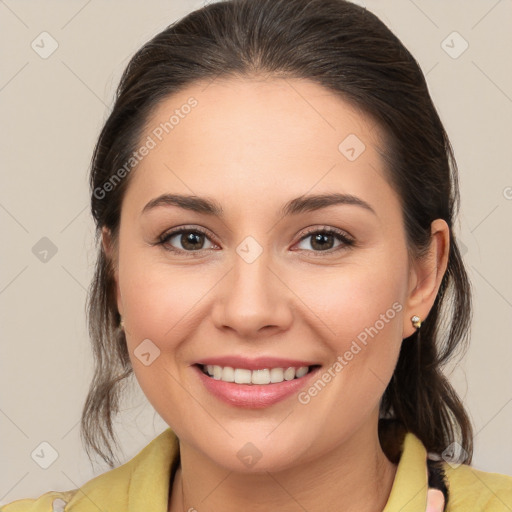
(260, 377)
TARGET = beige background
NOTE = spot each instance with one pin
(52, 111)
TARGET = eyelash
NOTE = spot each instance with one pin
(347, 241)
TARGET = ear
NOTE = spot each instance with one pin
(426, 276)
(111, 254)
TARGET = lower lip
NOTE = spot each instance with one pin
(253, 396)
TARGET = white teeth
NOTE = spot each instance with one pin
(276, 375)
(261, 377)
(242, 376)
(289, 374)
(228, 374)
(301, 371)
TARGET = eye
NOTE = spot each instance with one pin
(191, 240)
(322, 240)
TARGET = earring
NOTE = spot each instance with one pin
(416, 321)
(121, 324)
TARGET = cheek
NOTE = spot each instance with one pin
(160, 305)
(157, 294)
(354, 310)
(362, 306)
(357, 299)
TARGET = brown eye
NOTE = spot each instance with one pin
(185, 240)
(324, 240)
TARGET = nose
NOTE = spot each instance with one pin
(253, 299)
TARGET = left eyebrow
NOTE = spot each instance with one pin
(316, 202)
(295, 206)
(187, 202)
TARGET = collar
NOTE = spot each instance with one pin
(143, 482)
(409, 491)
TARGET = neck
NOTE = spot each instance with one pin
(353, 476)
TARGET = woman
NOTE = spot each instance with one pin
(275, 195)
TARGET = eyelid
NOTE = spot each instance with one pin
(347, 240)
(162, 239)
(328, 230)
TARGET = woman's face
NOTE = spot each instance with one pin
(258, 279)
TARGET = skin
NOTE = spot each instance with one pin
(244, 140)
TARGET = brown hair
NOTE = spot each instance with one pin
(348, 50)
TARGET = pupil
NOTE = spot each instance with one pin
(319, 238)
(191, 240)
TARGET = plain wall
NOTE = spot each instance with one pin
(52, 110)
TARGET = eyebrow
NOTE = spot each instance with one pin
(301, 204)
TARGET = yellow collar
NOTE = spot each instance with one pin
(143, 482)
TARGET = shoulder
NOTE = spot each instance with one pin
(51, 501)
(139, 484)
(97, 493)
(473, 489)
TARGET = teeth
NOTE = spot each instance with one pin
(228, 374)
(264, 376)
(241, 376)
(301, 371)
(260, 376)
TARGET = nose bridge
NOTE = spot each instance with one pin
(253, 296)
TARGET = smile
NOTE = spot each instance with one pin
(260, 377)
(243, 389)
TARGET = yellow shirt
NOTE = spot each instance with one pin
(142, 485)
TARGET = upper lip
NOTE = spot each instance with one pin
(255, 363)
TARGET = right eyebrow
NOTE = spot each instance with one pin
(295, 206)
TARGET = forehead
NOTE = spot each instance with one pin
(251, 136)
(273, 113)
